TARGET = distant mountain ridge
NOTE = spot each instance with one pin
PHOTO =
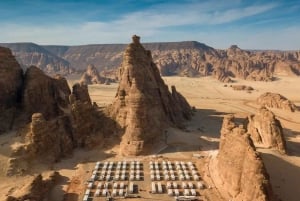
(188, 58)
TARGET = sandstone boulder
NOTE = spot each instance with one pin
(274, 100)
(239, 167)
(266, 130)
(143, 105)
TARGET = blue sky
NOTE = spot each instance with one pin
(252, 24)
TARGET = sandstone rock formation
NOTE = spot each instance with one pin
(38, 189)
(43, 94)
(143, 105)
(10, 88)
(30, 54)
(50, 140)
(91, 76)
(174, 58)
(266, 130)
(239, 167)
(81, 93)
(274, 100)
(242, 88)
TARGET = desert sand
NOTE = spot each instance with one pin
(212, 101)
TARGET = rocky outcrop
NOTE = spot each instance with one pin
(242, 88)
(222, 75)
(11, 79)
(43, 94)
(143, 105)
(81, 93)
(50, 140)
(38, 189)
(274, 100)
(92, 76)
(239, 167)
(265, 130)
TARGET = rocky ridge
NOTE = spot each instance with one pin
(239, 167)
(143, 105)
(274, 100)
(189, 58)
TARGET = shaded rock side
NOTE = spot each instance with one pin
(266, 130)
(239, 166)
(49, 140)
(11, 79)
(274, 100)
(80, 92)
(43, 94)
(143, 105)
(38, 189)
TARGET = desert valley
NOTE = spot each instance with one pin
(183, 121)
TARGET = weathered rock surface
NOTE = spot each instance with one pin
(30, 54)
(274, 100)
(91, 76)
(38, 189)
(50, 140)
(242, 88)
(266, 130)
(80, 92)
(143, 105)
(11, 78)
(239, 166)
(43, 94)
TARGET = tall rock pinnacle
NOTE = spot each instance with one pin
(143, 105)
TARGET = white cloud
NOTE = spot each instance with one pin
(152, 24)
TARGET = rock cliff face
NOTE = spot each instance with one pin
(50, 140)
(43, 94)
(30, 54)
(11, 79)
(274, 100)
(266, 130)
(143, 105)
(239, 166)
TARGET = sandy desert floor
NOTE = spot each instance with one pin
(212, 101)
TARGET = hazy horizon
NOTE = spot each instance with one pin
(257, 25)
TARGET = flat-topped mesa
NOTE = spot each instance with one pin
(143, 105)
(240, 171)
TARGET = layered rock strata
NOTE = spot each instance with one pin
(265, 130)
(239, 167)
(274, 100)
(143, 105)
